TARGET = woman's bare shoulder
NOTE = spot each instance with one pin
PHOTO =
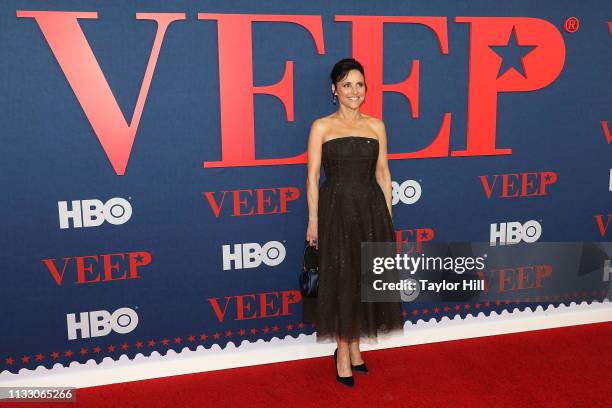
(377, 125)
(322, 125)
(373, 121)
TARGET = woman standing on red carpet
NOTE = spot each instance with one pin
(353, 205)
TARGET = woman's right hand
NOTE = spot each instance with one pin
(312, 234)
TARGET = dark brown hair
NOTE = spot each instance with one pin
(342, 68)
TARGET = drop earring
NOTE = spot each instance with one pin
(334, 99)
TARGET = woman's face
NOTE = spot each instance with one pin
(351, 89)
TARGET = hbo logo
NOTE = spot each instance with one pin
(515, 232)
(251, 255)
(91, 213)
(101, 322)
(408, 192)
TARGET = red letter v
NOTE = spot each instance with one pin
(76, 59)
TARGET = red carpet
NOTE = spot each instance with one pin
(566, 367)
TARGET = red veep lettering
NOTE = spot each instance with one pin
(603, 229)
(217, 309)
(488, 187)
(259, 201)
(76, 59)
(267, 303)
(236, 86)
(541, 66)
(83, 270)
(50, 264)
(243, 303)
(606, 130)
(367, 34)
(405, 239)
(526, 184)
(216, 208)
(138, 259)
(114, 267)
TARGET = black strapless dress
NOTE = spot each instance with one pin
(351, 210)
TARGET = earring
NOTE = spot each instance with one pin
(334, 99)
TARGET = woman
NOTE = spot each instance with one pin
(352, 206)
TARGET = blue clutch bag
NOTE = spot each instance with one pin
(309, 277)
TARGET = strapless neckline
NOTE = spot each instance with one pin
(351, 137)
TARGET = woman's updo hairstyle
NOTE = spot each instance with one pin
(342, 68)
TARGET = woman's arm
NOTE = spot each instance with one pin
(312, 181)
(383, 175)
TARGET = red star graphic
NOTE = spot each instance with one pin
(289, 327)
(97, 350)
(138, 344)
(300, 325)
(415, 312)
(253, 330)
(10, 361)
(124, 346)
(40, 357)
(266, 329)
(55, 355)
(83, 351)
(487, 304)
(25, 359)
(178, 340)
(425, 311)
(216, 336)
(497, 302)
(275, 328)
(203, 337)
(404, 313)
(457, 307)
(111, 348)
(507, 302)
(466, 306)
(436, 309)
(228, 333)
(68, 353)
(152, 343)
(477, 305)
(242, 332)
(165, 342)
(446, 308)
(191, 338)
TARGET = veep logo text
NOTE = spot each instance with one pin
(518, 184)
(257, 201)
(92, 213)
(99, 268)
(541, 66)
(100, 323)
(254, 305)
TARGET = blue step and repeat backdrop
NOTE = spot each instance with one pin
(153, 157)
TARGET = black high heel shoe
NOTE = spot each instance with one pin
(348, 381)
(361, 368)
